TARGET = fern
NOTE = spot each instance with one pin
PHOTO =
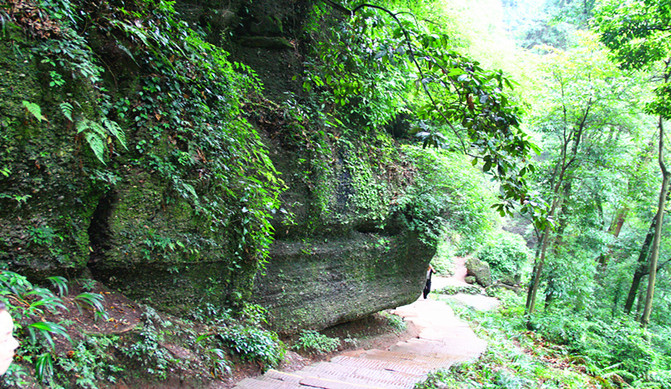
(97, 144)
(66, 109)
(87, 124)
(35, 110)
(116, 130)
(96, 135)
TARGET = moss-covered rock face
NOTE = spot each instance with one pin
(156, 250)
(322, 282)
(46, 196)
(480, 270)
(157, 170)
(345, 254)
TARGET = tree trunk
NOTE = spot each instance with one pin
(540, 262)
(621, 215)
(641, 268)
(614, 229)
(538, 269)
(640, 299)
(560, 188)
(654, 255)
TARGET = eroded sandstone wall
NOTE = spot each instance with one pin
(342, 248)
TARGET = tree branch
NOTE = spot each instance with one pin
(413, 58)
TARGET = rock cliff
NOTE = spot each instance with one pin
(179, 206)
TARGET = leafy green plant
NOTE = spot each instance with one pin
(46, 330)
(96, 135)
(452, 290)
(44, 367)
(506, 253)
(219, 365)
(90, 362)
(147, 350)
(93, 301)
(448, 196)
(34, 110)
(395, 321)
(314, 342)
(254, 344)
(87, 284)
(27, 305)
(61, 283)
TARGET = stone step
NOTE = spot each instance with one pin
(290, 378)
(310, 377)
(406, 368)
(425, 362)
(263, 383)
(328, 383)
(361, 375)
(434, 349)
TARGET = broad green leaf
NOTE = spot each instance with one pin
(35, 110)
(97, 144)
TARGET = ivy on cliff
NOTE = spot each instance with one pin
(172, 99)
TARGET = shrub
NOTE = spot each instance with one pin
(443, 262)
(147, 351)
(452, 290)
(395, 321)
(90, 361)
(506, 253)
(313, 341)
(448, 191)
(619, 348)
(254, 344)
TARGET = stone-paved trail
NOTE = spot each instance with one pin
(443, 340)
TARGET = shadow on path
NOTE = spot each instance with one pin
(443, 340)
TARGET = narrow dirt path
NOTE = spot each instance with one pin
(479, 302)
(443, 340)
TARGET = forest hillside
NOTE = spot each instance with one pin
(188, 189)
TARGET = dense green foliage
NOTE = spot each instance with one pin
(169, 111)
(128, 140)
(507, 255)
(447, 194)
(313, 341)
(456, 103)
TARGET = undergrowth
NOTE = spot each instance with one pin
(314, 342)
(565, 351)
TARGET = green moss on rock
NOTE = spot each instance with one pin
(46, 200)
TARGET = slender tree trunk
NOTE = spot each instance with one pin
(562, 219)
(614, 229)
(640, 299)
(654, 255)
(540, 262)
(538, 269)
(561, 186)
(621, 215)
(641, 268)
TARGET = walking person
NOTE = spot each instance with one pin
(427, 287)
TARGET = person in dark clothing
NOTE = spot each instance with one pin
(427, 287)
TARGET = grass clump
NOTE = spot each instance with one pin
(314, 342)
(452, 290)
